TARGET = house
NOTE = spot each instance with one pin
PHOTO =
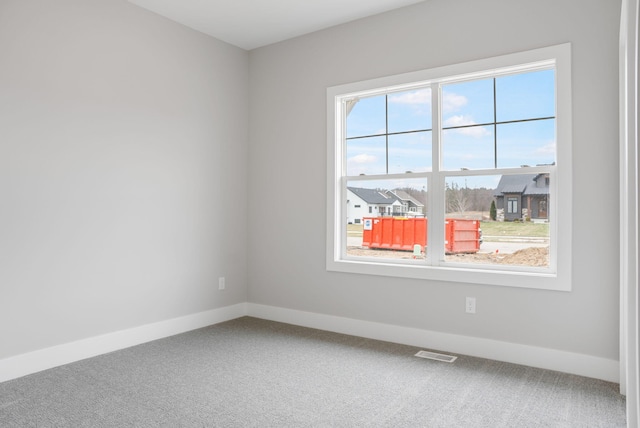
(141, 161)
(410, 205)
(370, 203)
(523, 196)
(378, 203)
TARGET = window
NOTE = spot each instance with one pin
(454, 140)
(542, 207)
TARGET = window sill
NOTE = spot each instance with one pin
(455, 273)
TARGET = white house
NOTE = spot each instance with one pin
(370, 203)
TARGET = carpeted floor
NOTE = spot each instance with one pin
(255, 373)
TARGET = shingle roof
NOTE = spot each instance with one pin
(533, 190)
(520, 183)
(404, 196)
(371, 196)
(513, 188)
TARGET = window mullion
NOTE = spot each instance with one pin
(340, 198)
(386, 130)
(435, 213)
(552, 208)
(495, 126)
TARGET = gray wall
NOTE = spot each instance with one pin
(123, 151)
(125, 187)
(287, 164)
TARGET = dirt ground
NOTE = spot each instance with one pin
(533, 256)
(525, 257)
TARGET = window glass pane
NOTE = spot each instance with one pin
(409, 111)
(468, 148)
(467, 103)
(526, 143)
(410, 152)
(366, 116)
(512, 212)
(525, 96)
(367, 156)
(391, 220)
(470, 197)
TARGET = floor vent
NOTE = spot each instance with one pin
(437, 357)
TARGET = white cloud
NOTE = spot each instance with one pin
(364, 163)
(363, 159)
(458, 120)
(547, 149)
(453, 102)
(422, 97)
(461, 120)
(476, 131)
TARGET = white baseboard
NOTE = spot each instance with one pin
(43, 359)
(550, 359)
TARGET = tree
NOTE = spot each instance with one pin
(493, 211)
(457, 198)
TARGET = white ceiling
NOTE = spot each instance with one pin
(253, 23)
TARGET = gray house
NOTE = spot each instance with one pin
(410, 205)
(523, 196)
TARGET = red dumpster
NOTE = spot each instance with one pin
(461, 236)
(402, 233)
(394, 233)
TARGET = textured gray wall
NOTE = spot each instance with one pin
(287, 164)
(123, 147)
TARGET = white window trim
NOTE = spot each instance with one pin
(557, 277)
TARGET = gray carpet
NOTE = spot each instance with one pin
(255, 373)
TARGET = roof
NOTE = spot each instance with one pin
(521, 183)
(404, 196)
(371, 196)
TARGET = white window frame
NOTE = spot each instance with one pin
(556, 277)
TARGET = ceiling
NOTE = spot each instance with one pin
(250, 24)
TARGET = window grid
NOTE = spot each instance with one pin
(436, 87)
(556, 276)
(437, 207)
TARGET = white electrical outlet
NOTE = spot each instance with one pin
(221, 284)
(470, 305)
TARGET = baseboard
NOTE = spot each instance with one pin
(550, 359)
(32, 362)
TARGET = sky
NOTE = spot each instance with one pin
(518, 97)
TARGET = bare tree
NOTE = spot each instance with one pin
(457, 198)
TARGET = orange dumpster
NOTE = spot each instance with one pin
(461, 236)
(402, 233)
(394, 233)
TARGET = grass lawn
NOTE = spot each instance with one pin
(354, 229)
(510, 228)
